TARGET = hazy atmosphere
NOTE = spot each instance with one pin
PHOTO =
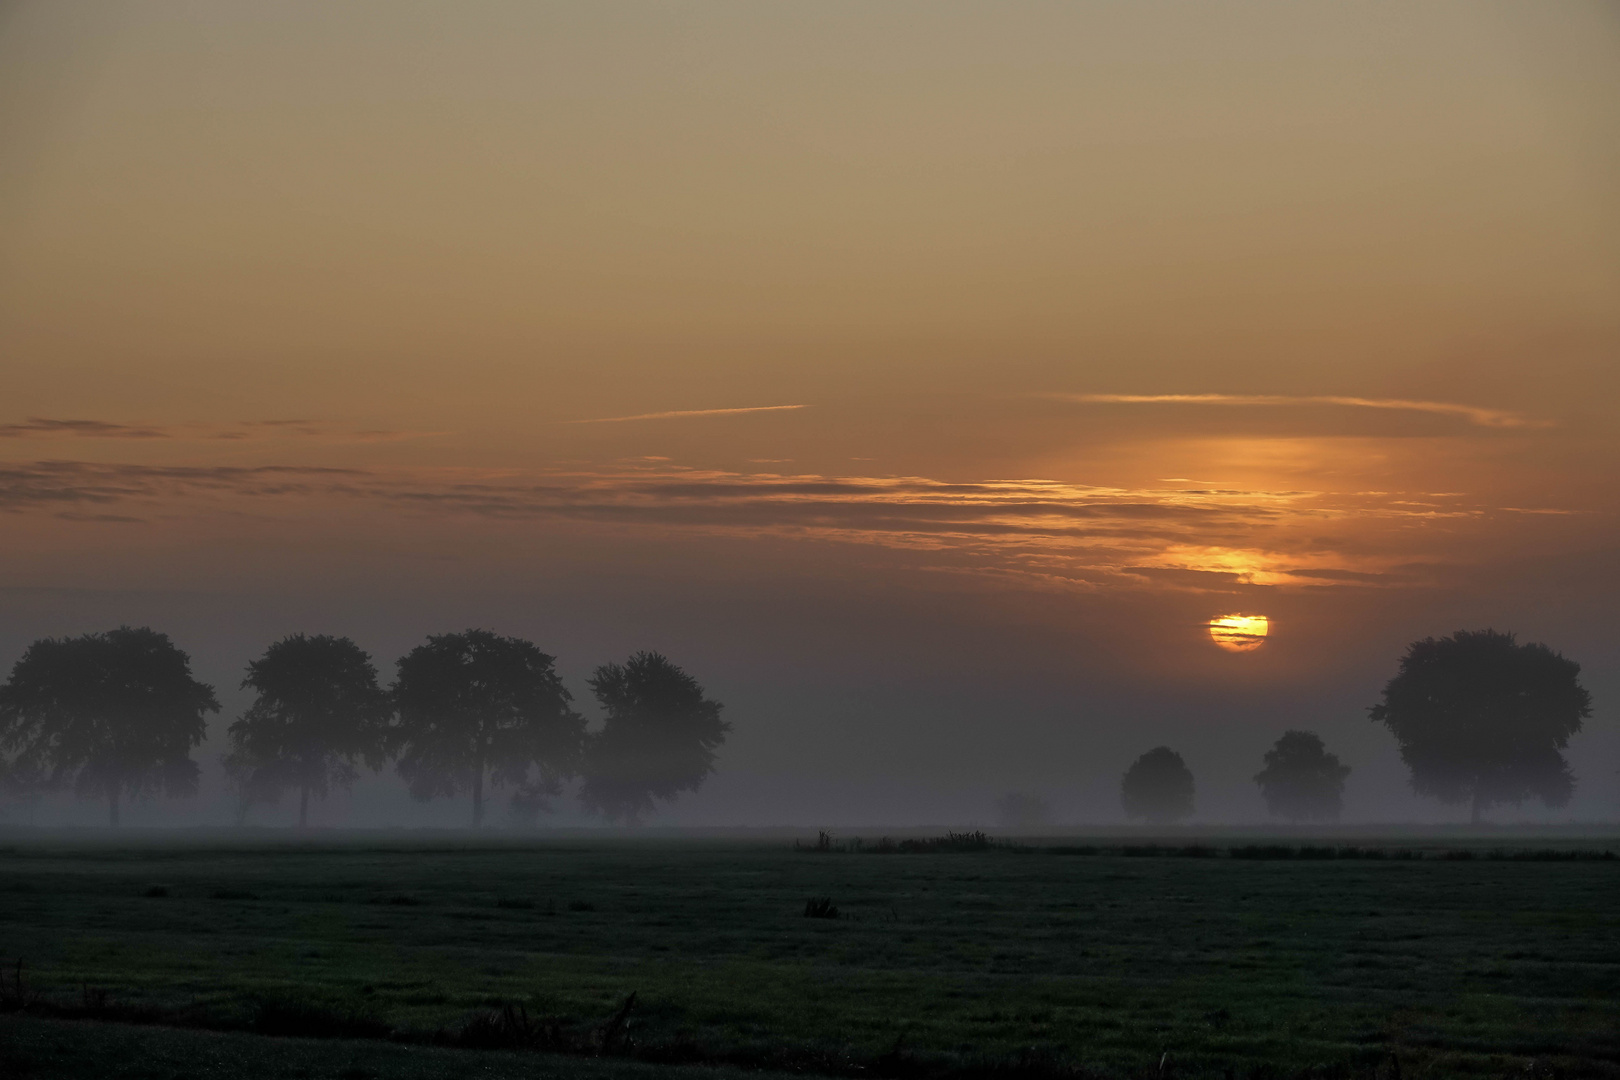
(922, 378)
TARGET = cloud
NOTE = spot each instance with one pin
(1482, 417)
(40, 484)
(1040, 531)
(44, 428)
(680, 413)
(36, 427)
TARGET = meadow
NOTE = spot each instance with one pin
(1058, 957)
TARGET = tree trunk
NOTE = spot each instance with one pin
(112, 805)
(478, 797)
(303, 806)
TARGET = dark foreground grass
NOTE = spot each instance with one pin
(992, 960)
(33, 1048)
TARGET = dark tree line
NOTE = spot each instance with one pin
(1480, 719)
(116, 715)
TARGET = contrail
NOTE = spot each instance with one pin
(673, 414)
(1475, 414)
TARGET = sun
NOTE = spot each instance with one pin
(1239, 633)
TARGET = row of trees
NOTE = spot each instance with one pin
(116, 715)
(1301, 781)
(1480, 719)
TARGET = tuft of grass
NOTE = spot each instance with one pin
(157, 891)
(820, 907)
(976, 840)
(231, 894)
(311, 1020)
(16, 993)
(510, 1028)
(951, 841)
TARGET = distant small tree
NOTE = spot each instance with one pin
(318, 713)
(659, 738)
(475, 708)
(1301, 780)
(1017, 810)
(114, 714)
(1158, 787)
(1481, 719)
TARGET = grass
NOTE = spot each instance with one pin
(965, 958)
(33, 1048)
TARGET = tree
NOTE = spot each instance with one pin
(1481, 719)
(319, 711)
(1158, 787)
(1301, 780)
(474, 707)
(115, 714)
(659, 738)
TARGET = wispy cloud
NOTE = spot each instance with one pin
(1040, 531)
(681, 413)
(36, 427)
(1474, 414)
(269, 430)
(37, 485)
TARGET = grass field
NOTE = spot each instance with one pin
(1034, 961)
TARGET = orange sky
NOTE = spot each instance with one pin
(604, 321)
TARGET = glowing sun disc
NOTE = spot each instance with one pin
(1239, 633)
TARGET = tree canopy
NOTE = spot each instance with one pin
(1301, 780)
(318, 712)
(1481, 719)
(114, 714)
(1158, 787)
(659, 738)
(475, 706)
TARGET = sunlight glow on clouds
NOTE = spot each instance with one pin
(1483, 417)
(1045, 532)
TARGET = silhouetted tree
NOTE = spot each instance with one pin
(1158, 787)
(319, 711)
(476, 706)
(116, 714)
(659, 739)
(1481, 719)
(1301, 780)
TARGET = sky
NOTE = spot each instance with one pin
(922, 377)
